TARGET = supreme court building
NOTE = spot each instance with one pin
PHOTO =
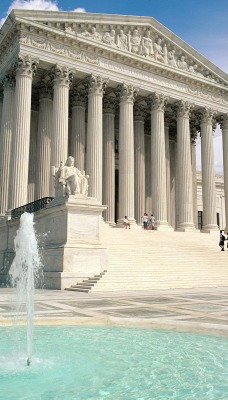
(126, 98)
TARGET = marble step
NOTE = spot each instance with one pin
(77, 290)
(141, 259)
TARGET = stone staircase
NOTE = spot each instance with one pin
(87, 284)
(147, 260)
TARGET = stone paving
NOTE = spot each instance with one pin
(187, 309)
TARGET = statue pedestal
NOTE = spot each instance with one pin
(72, 250)
(69, 234)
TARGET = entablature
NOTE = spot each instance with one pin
(133, 41)
(57, 46)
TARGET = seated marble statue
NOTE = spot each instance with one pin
(71, 181)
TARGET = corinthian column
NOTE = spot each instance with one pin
(148, 198)
(1, 104)
(173, 192)
(184, 169)
(139, 116)
(32, 150)
(158, 160)
(127, 94)
(208, 175)
(194, 176)
(43, 167)
(96, 87)
(109, 158)
(167, 158)
(25, 68)
(6, 139)
(78, 127)
(224, 126)
(62, 79)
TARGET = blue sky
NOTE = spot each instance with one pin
(203, 24)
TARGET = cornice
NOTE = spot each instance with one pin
(46, 49)
(61, 33)
(163, 78)
(80, 46)
(110, 21)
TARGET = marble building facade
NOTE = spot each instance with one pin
(126, 98)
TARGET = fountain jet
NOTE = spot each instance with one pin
(25, 272)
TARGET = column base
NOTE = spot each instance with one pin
(163, 226)
(132, 221)
(210, 229)
(110, 223)
(185, 227)
(2, 217)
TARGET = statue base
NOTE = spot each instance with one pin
(72, 250)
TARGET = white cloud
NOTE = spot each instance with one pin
(82, 10)
(47, 5)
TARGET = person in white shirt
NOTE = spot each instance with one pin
(126, 223)
(145, 221)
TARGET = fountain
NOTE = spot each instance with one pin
(95, 362)
(25, 273)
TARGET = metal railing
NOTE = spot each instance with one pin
(31, 207)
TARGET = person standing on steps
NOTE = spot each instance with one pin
(222, 240)
(152, 220)
(126, 223)
(145, 221)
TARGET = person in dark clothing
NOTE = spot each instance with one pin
(222, 240)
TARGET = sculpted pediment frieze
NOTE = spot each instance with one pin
(142, 41)
(147, 43)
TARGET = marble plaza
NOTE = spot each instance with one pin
(191, 310)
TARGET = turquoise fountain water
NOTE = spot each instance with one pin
(25, 272)
(95, 363)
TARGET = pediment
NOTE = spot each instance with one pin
(143, 38)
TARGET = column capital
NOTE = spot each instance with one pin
(207, 116)
(224, 121)
(61, 75)
(9, 80)
(79, 97)
(157, 101)
(96, 84)
(139, 112)
(109, 104)
(126, 93)
(26, 66)
(45, 89)
(183, 109)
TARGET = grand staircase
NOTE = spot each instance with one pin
(147, 260)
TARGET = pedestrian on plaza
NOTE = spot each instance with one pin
(145, 221)
(222, 240)
(126, 223)
(152, 220)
